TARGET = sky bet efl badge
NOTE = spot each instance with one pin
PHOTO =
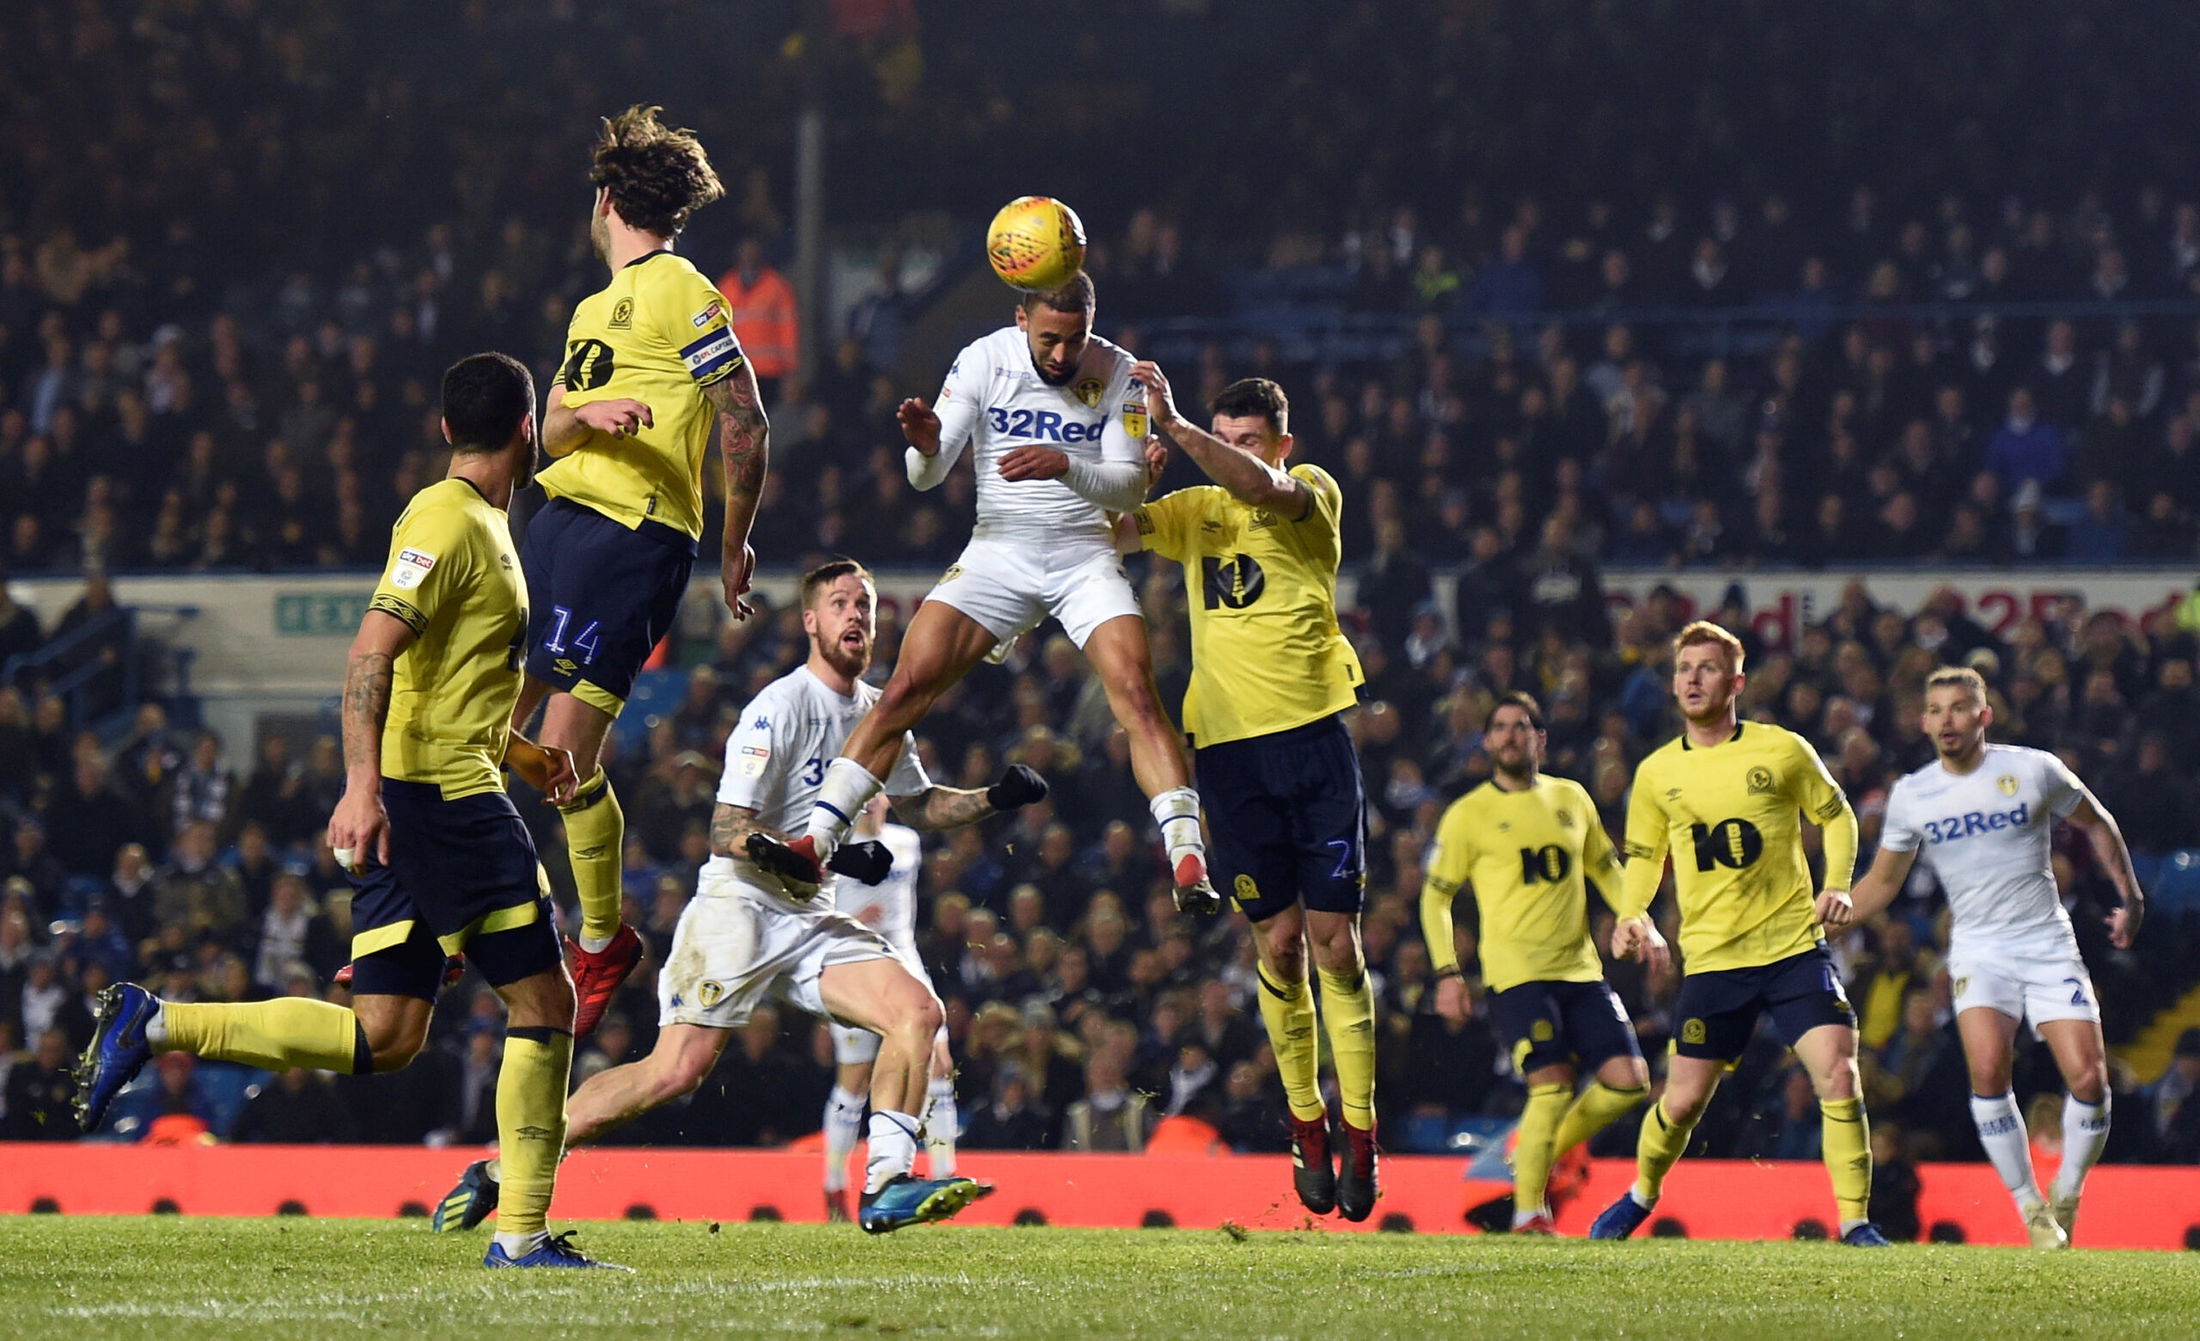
(1134, 420)
(411, 568)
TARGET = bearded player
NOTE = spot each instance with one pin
(749, 935)
(1058, 431)
(1981, 817)
(1523, 845)
(1725, 799)
(648, 360)
(1272, 674)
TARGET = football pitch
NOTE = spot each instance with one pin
(171, 1277)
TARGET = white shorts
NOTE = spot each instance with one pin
(737, 945)
(1009, 586)
(853, 1046)
(2024, 987)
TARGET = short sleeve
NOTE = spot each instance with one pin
(908, 777)
(427, 566)
(693, 318)
(2059, 786)
(748, 779)
(1165, 524)
(1898, 830)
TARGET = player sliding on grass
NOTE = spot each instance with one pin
(749, 934)
(1272, 674)
(438, 857)
(1058, 433)
(1981, 816)
(1723, 799)
(1524, 844)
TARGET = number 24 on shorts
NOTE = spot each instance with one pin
(583, 642)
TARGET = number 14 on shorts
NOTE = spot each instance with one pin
(583, 642)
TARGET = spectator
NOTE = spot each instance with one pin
(2027, 449)
(1009, 1120)
(40, 1090)
(761, 305)
(1111, 1116)
(193, 892)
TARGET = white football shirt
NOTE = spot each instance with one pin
(776, 758)
(890, 906)
(995, 402)
(1987, 836)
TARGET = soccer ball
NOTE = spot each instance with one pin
(1036, 242)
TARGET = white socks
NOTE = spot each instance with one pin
(941, 1124)
(1177, 812)
(156, 1028)
(517, 1246)
(848, 787)
(893, 1149)
(2001, 1131)
(843, 1115)
(2085, 1131)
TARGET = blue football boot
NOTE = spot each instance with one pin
(469, 1203)
(117, 1052)
(1867, 1235)
(915, 1201)
(554, 1251)
(1620, 1219)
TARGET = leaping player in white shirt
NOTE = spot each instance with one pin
(1058, 430)
(751, 934)
(1981, 816)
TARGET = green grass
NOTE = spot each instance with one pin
(169, 1277)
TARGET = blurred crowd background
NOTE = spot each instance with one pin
(1553, 290)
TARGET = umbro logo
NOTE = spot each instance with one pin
(1672, 793)
(1211, 527)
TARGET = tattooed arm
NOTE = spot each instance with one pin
(744, 444)
(730, 827)
(942, 808)
(360, 825)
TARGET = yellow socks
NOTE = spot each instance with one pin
(1657, 1151)
(1847, 1149)
(1534, 1151)
(1288, 1013)
(530, 1125)
(1348, 1017)
(595, 839)
(1594, 1109)
(273, 1035)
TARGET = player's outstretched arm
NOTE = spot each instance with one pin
(2114, 855)
(1871, 895)
(933, 444)
(1246, 477)
(565, 428)
(360, 825)
(744, 445)
(953, 807)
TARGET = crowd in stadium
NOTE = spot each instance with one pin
(172, 397)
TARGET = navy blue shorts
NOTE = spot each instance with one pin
(600, 597)
(462, 876)
(1547, 1023)
(1286, 819)
(1718, 1009)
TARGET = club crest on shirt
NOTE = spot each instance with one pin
(2006, 784)
(622, 315)
(1565, 819)
(1760, 781)
(710, 993)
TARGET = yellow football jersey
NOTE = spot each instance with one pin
(1267, 653)
(454, 581)
(1729, 815)
(1528, 855)
(657, 334)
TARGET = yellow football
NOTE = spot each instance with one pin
(1036, 242)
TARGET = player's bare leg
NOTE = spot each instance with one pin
(881, 995)
(1828, 1053)
(941, 646)
(605, 950)
(1122, 657)
(1989, 1039)
(2082, 1056)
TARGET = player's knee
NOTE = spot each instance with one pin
(1338, 950)
(1990, 1078)
(394, 1043)
(919, 1021)
(1286, 959)
(905, 699)
(2089, 1083)
(1837, 1082)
